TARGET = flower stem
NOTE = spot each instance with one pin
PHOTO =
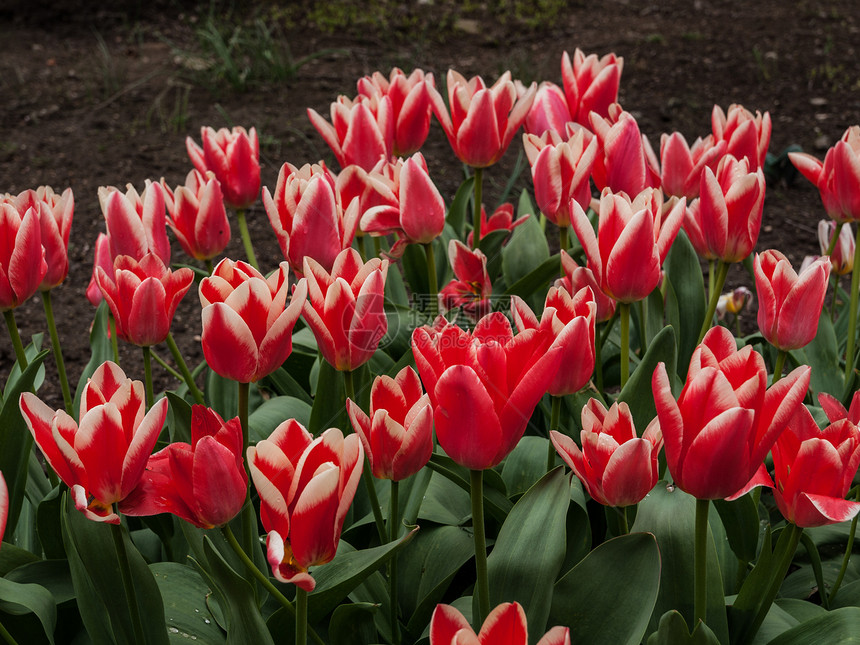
(835, 281)
(114, 343)
(246, 238)
(58, 352)
(852, 311)
(846, 557)
(482, 588)
(127, 583)
(7, 636)
(476, 228)
(147, 376)
(834, 239)
(722, 272)
(209, 267)
(301, 616)
(624, 311)
(598, 363)
(711, 274)
(554, 423)
(433, 305)
(12, 326)
(623, 523)
(700, 575)
(183, 368)
(777, 367)
(562, 242)
(249, 517)
(393, 525)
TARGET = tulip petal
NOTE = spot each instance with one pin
(446, 622)
(716, 465)
(505, 625)
(228, 344)
(630, 473)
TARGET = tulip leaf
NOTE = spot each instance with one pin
(48, 524)
(398, 336)
(685, 276)
(525, 465)
(263, 421)
(637, 393)
(741, 522)
(496, 502)
(395, 288)
(608, 597)
(178, 418)
(100, 351)
(456, 216)
(414, 264)
(529, 551)
(673, 631)
(536, 280)
(222, 395)
(335, 580)
(526, 250)
(185, 592)
(491, 246)
(834, 628)
(17, 599)
(669, 513)
(822, 354)
(329, 408)
(31, 351)
(284, 384)
(53, 575)
(445, 502)
(352, 624)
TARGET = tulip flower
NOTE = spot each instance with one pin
(813, 470)
(835, 411)
(549, 111)
(725, 421)
(733, 302)
(615, 466)
(483, 120)
(197, 215)
(789, 304)
(361, 131)
(471, 288)
(307, 216)
(505, 625)
(842, 257)
(102, 259)
(632, 241)
(143, 297)
(410, 105)
(625, 164)
(306, 486)
(4, 506)
(577, 277)
(560, 171)
(136, 225)
(234, 157)
(746, 135)
(101, 458)
(22, 256)
(590, 83)
(346, 309)
(398, 434)
(560, 311)
(838, 177)
(484, 385)
(681, 165)
(247, 325)
(203, 483)
(502, 219)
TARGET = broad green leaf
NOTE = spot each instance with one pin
(673, 631)
(822, 354)
(100, 351)
(414, 264)
(352, 624)
(395, 289)
(608, 597)
(374, 591)
(529, 550)
(535, 282)
(638, 393)
(685, 275)
(652, 308)
(496, 502)
(741, 522)
(847, 596)
(285, 384)
(526, 250)
(459, 207)
(578, 527)
(525, 465)
(185, 592)
(837, 627)
(53, 575)
(12, 557)
(444, 502)
(263, 421)
(329, 408)
(491, 246)
(178, 418)
(17, 599)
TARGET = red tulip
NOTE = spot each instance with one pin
(398, 434)
(102, 259)
(502, 219)
(234, 157)
(204, 483)
(682, 165)
(746, 135)
(720, 429)
(483, 120)
(143, 297)
(789, 304)
(306, 486)
(625, 163)
(361, 131)
(505, 625)
(471, 288)
(484, 385)
(135, 225)
(724, 222)
(346, 309)
(835, 411)
(410, 105)
(247, 325)
(813, 470)
(197, 215)
(632, 241)
(548, 112)
(103, 457)
(560, 171)
(4, 506)
(576, 278)
(838, 178)
(22, 256)
(560, 311)
(590, 83)
(307, 216)
(615, 466)
(842, 258)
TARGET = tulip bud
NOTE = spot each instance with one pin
(234, 157)
(842, 257)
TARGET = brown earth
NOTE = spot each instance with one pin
(105, 96)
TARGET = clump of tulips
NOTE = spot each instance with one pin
(364, 457)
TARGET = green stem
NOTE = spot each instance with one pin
(360, 244)
(598, 363)
(815, 561)
(433, 305)
(482, 588)
(183, 368)
(711, 275)
(476, 228)
(562, 242)
(777, 367)
(58, 352)
(624, 311)
(623, 523)
(848, 548)
(114, 342)
(377, 246)
(835, 280)
(12, 326)
(127, 583)
(722, 272)
(7, 636)
(393, 525)
(164, 365)
(642, 305)
(147, 376)
(852, 311)
(700, 575)
(834, 239)
(554, 423)
(301, 616)
(209, 266)
(249, 518)
(246, 238)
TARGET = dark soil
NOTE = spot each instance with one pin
(92, 96)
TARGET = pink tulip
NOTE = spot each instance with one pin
(632, 241)
(789, 304)
(102, 458)
(838, 178)
(835, 411)
(234, 157)
(398, 434)
(625, 164)
(505, 625)
(548, 112)
(203, 483)
(102, 259)
(410, 105)
(483, 120)
(682, 165)
(22, 256)
(247, 325)
(842, 258)
(306, 487)
(135, 225)
(615, 466)
(470, 289)
(502, 219)
(143, 297)
(346, 309)
(361, 131)
(590, 84)
(746, 135)
(560, 311)
(576, 278)
(197, 216)
(307, 216)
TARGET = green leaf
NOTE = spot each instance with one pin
(637, 393)
(185, 592)
(535, 281)
(285, 384)
(685, 275)
(53, 575)
(178, 418)
(12, 557)
(526, 250)
(352, 624)
(456, 216)
(608, 597)
(529, 551)
(444, 502)
(525, 465)
(822, 354)
(329, 409)
(491, 246)
(222, 395)
(834, 628)
(263, 421)
(17, 599)
(740, 519)
(673, 631)
(100, 351)
(496, 502)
